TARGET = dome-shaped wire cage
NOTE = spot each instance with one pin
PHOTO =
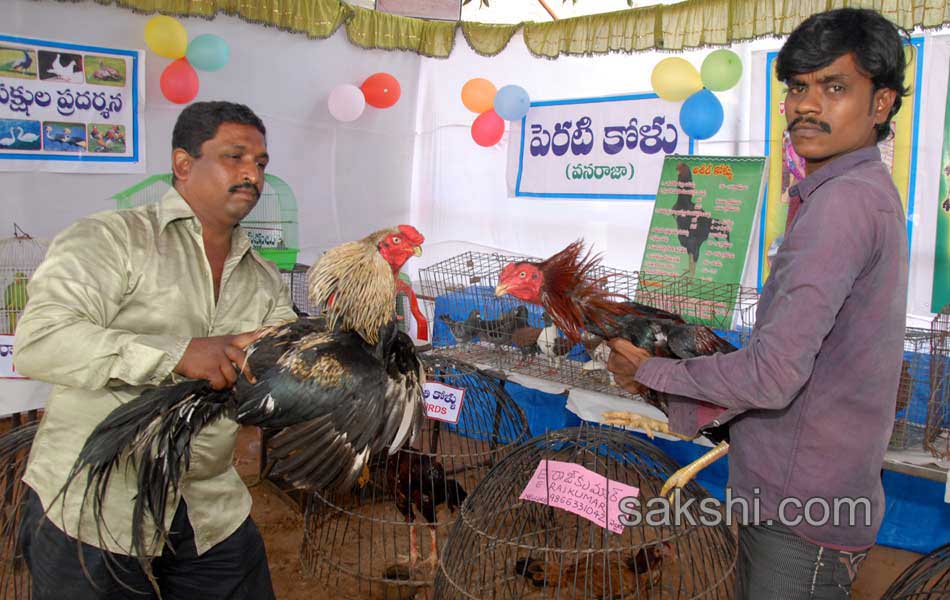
(272, 225)
(358, 545)
(574, 543)
(928, 578)
(19, 257)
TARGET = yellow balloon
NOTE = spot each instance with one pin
(675, 79)
(166, 36)
(478, 95)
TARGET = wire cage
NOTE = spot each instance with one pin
(296, 280)
(15, 441)
(927, 578)
(913, 392)
(472, 324)
(359, 545)
(20, 255)
(557, 542)
(937, 434)
(271, 225)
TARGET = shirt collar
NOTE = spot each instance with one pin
(836, 167)
(173, 207)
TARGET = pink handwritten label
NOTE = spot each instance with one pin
(579, 490)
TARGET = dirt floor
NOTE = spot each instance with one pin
(281, 524)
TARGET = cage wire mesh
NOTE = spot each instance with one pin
(927, 578)
(358, 545)
(913, 392)
(472, 324)
(937, 435)
(272, 226)
(503, 547)
(20, 255)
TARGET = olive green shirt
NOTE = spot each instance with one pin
(112, 308)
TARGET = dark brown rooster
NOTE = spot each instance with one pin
(577, 301)
(418, 481)
(338, 387)
(592, 578)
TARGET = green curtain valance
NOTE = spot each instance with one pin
(689, 24)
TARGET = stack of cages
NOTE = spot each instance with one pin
(937, 434)
(271, 226)
(472, 324)
(914, 391)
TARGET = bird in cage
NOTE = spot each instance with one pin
(418, 481)
(339, 388)
(499, 331)
(463, 331)
(577, 301)
(14, 298)
(593, 578)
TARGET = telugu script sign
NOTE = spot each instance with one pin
(69, 107)
(579, 490)
(7, 371)
(606, 148)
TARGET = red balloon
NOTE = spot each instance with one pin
(179, 82)
(381, 90)
(488, 128)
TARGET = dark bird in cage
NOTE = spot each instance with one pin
(339, 388)
(526, 339)
(593, 578)
(463, 331)
(418, 481)
(577, 301)
(499, 331)
(697, 226)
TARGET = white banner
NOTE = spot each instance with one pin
(604, 148)
(442, 402)
(6, 359)
(70, 108)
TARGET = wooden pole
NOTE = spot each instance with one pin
(548, 8)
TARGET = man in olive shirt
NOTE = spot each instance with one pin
(810, 399)
(139, 297)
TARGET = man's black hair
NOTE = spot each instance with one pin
(875, 43)
(199, 123)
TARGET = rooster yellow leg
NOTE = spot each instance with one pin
(434, 551)
(363, 479)
(413, 546)
(635, 421)
(687, 473)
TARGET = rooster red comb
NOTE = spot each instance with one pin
(411, 235)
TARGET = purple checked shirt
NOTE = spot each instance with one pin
(811, 397)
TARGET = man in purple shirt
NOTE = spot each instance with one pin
(810, 399)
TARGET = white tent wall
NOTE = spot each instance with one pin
(348, 178)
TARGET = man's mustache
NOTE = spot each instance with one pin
(247, 185)
(820, 124)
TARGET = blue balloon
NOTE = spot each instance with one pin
(701, 115)
(208, 52)
(512, 102)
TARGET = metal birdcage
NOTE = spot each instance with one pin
(928, 578)
(472, 324)
(913, 392)
(358, 545)
(545, 523)
(20, 255)
(937, 434)
(296, 280)
(271, 225)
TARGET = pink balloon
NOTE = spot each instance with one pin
(179, 82)
(488, 128)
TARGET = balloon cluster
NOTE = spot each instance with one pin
(675, 79)
(346, 101)
(167, 37)
(494, 107)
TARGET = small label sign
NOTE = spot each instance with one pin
(442, 402)
(7, 371)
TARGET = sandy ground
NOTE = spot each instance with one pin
(281, 524)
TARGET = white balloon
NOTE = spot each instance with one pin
(346, 102)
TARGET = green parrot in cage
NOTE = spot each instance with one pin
(14, 298)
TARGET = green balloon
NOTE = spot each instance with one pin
(721, 70)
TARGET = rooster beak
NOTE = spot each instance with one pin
(417, 251)
(501, 289)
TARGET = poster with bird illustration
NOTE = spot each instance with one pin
(70, 108)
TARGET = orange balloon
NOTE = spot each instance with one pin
(381, 90)
(488, 128)
(478, 95)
